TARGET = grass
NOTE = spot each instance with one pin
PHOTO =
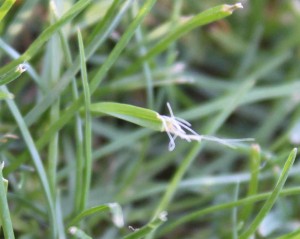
(83, 131)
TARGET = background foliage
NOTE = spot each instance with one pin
(71, 171)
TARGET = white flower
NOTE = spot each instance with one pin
(177, 127)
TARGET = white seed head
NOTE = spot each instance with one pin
(177, 127)
(163, 216)
(73, 230)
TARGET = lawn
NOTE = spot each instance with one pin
(149, 119)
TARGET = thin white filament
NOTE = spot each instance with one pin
(175, 127)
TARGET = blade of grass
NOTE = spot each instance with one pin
(137, 115)
(78, 121)
(114, 208)
(53, 68)
(208, 16)
(146, 67)
(4, 209)
(235, 212)
(4, 9)
(272, 198)
(87, 166)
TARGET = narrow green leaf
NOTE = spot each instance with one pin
(4, 210)
(114, 208)
(272, 198)
(137, 115)
(88, 212)
(87, 167)
(206, 17)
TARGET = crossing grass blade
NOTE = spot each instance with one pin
(4, 9)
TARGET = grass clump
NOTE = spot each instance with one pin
(75, 75)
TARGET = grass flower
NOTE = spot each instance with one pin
(177, 127)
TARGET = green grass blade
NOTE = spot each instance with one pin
(5, 8)
(206, 17)
(114, 208)
(4, 209)
(137, 115)
(272, 198)
(39, 42)
(87, 167)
